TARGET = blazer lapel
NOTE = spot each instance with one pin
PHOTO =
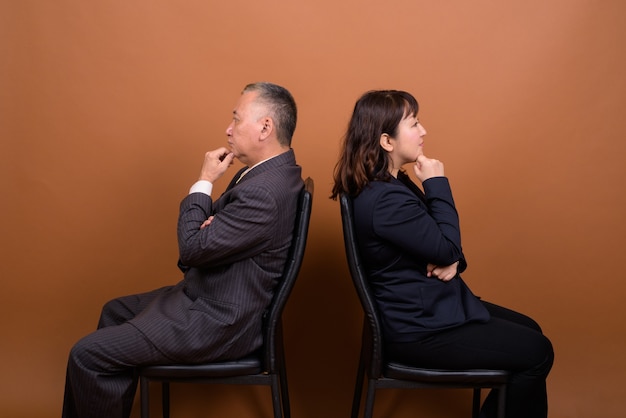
(406, 180)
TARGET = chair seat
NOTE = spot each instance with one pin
(473, 376)
(245, 366)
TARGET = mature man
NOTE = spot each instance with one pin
(232, 252)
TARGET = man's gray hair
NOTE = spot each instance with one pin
(282, 108)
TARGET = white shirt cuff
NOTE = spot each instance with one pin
(202, 186)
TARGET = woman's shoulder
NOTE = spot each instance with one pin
(377, 191)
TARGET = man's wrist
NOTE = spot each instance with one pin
(202, 186)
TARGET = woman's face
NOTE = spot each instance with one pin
(408, 141)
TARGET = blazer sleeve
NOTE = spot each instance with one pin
(240, 230)
(429, 232)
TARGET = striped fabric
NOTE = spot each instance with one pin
(214, 313)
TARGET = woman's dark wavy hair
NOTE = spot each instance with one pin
(362, 159)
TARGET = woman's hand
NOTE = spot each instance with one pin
(426, 168)
(443, 273)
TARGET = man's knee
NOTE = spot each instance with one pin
(81, 353)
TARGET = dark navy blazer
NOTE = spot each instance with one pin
(401, 229)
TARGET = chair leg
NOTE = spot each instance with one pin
(358, 389)
(144, 390)
(369, 399)
(501, 401)
(276, 404)
(284, 392)
(476, 403)
(166, 399)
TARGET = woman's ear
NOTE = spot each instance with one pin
(385, 142)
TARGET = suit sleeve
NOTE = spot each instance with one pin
(241, 230)
(431, 233)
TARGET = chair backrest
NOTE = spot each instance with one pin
(273, 317)
(372, 344)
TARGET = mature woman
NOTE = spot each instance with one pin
(409, 238)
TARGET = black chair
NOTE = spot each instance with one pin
(267, 366)
(383, 374)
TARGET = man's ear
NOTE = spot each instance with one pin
(267, 127)
(385, 142)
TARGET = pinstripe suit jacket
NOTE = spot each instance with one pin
(231, 267)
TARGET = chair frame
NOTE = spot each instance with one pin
(265, 367)
(382, 374)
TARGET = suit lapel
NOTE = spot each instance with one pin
(235, 178)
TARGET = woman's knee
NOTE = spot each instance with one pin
(543, 356)
(549, 361)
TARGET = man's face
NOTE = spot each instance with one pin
(245, 129)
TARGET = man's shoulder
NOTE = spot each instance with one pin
(281, 161)
(281, 169)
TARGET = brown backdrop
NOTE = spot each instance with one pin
(106, 110)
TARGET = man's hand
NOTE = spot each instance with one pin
(443, 273)
(426, 168)
(215, 164)
(207, 222)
